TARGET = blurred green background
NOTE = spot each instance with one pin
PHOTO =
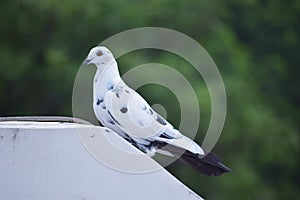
(255, 45)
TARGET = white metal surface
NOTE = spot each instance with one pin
(47, 161)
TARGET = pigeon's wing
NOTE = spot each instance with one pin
(133, 115)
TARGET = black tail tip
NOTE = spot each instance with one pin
(220, 170)
(225, 168)
(210, 165)
(214, 165)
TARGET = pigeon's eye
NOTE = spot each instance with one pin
(99, 53)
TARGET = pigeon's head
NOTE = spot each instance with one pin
(100, 56)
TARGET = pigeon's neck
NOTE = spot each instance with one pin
(107, 75)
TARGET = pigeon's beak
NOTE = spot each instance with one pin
(86, 62)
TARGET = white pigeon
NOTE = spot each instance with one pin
(123, 110)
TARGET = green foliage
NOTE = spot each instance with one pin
(254, 44)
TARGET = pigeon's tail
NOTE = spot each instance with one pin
(210, 164)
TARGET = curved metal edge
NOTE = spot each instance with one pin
(46, 119)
